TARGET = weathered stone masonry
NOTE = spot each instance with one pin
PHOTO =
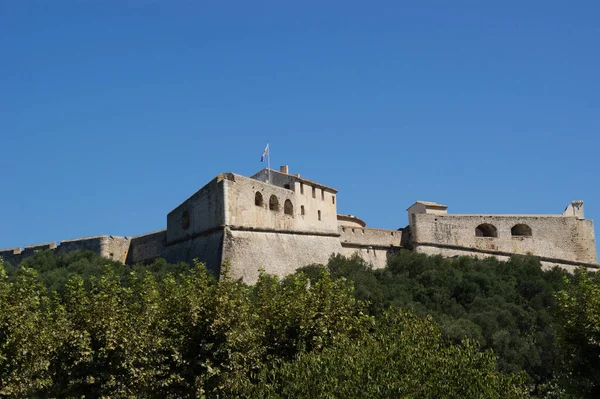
(277, 221)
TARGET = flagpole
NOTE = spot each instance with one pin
(269, 160)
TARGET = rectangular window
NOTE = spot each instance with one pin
(333, 199)
(322, 195)
(314, 192)
(319, 214)
(302, 188)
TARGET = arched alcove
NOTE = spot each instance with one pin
(486, 230)
(258, 199)
(288, 207)
(520, 230)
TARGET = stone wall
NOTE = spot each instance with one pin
(276, 252)
(111, 247)
(545, 262)
(556, 237)
(200, 213)
(373, 245)
(242, 211)
(147, 247)
(207, 248)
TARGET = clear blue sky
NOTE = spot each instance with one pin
(114, 112)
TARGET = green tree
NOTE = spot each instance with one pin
(579, 333)
(404, 357)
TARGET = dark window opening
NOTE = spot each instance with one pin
(288, 207)
(314, 192)
(302, 188)
(333, 199)
(319, 214)
(521, 230)
(322, 195)
(302, 210)
(258, 199)
(273, 203)
(185, 220)
(486, 230)
(286, 186)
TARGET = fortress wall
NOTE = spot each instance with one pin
(373, 245)
(554, 237)
(276, 253)
(242, 209)
(324, 201)
(12, 256)
(31, 249)
(201, 212)
(206, 248)
(116, 248)
(452, 252)
(147, 247)
(111, 247)
(377, 257)
(370, 237)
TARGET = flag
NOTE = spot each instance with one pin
(265, 153)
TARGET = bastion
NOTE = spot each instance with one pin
(277, 221)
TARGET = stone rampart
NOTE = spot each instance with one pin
(206, 248)
(555, 237)
(111, 247)
(276, 253)
(147, 247)
(201, 212)
(373, 245)
(547, 263)
(365, 237)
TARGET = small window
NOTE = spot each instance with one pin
(273, 203)
(486, 230)
(288, 207)
(319, 214)
(286, 186)
(302, 188)
(185, 220)
(333, 199)
(314, 190)
(302, 210)
(322, 195)
(520, 230)
(258, 199)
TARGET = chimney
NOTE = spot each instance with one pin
(284, 169)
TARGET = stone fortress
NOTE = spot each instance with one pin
(279, 221)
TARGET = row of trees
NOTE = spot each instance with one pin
(76, 325)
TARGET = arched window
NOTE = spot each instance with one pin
(302, 212)
(486, 230)
(288, 208)
(521, 230)
(258, 199)
(273, 203)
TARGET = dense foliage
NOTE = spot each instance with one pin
(76, 325)
(184, 334)
(508, 307)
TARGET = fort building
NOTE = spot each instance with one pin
(278, 221)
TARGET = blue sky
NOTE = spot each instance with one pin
(113, 112)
